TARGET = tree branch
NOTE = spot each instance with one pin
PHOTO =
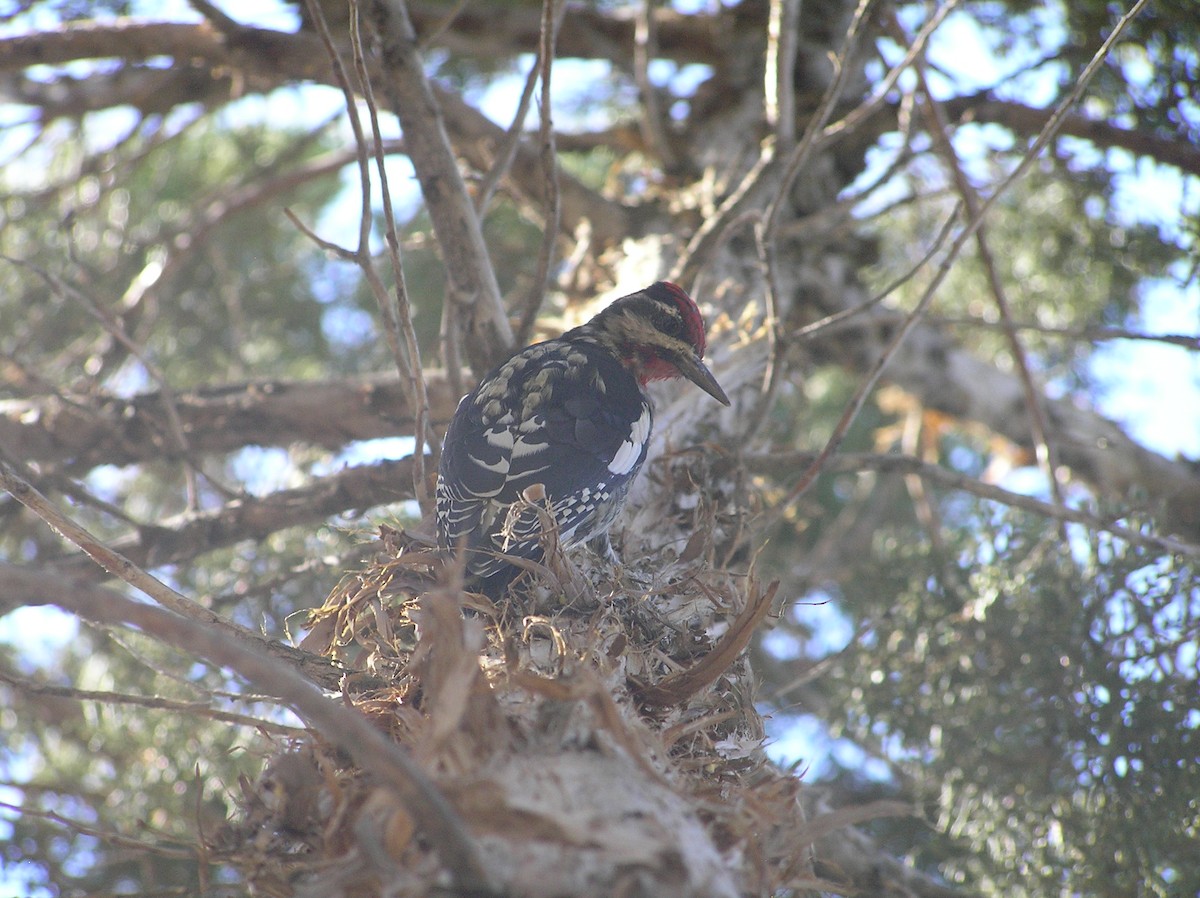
(73, 434)
(1022, 119)
(265, 60)
(113, 562)
(494, 30)
(471, 278)
(190, 535)
(785, 464)
(479, 139)
(349, 730)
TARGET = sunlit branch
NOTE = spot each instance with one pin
(66, 434)
(153, 702)
(552, 11)
(112, 561)
(786, 463)
(188, 536)
(943, 269)
(1044, 448)
(340, 725)
(471, 277)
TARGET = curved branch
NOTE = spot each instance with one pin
(74, 435)
(111, 561)
(785, 465)
(982, 107)
(127, 40)
(494, 30)
(263, 60)
(951, 380)
(342, 726)
(479, 139)
(192, 534)
(469, 272)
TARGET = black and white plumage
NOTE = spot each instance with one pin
(571, 415)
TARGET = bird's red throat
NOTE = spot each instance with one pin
(648, 365)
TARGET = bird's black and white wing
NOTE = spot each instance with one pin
(567, 416)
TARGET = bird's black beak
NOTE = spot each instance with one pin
(691, 367)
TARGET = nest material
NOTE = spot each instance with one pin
(596, 733)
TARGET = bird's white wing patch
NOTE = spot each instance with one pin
(523, 447)
(630, 451)
(500, 437)
(500, 467)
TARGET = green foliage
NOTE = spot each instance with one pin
(1142, 84)
(122, 772)
(1064, 259)
(1042, 697)
(240, 302)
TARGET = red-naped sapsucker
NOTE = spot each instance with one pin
(570, 414)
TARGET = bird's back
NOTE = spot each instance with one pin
(565, 414)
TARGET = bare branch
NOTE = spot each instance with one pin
(127, 40)
(265, 59)
(975, 222)
(508, 147)
(589, 32)
(548, 157)
(341, 725)
(982, 107)
(75, 433)
(185, 537)
(645, 48)
(1094, 334)
(1047, 455)
(396, 315)
(112, 561)
(53, 588)
(782, 36)
(474, 133)
(784, 464)
(472, 280)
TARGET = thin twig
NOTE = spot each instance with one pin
(108, 837)
(758, 416)
(395, 309)
(878, 97)
(401, 311)
(155, 702)
(1044, 451)
(831, 321)
(433, 33)
(769, 239)
(469, 272)
(180, 539)
(548, 157)
(780, 112)
(1044, 138)
(732, 209)
(508, 146)
(114, 562)
(116, 330)
(779, 85)
(650, 122)
(1094, 334)
(784, 463)
(342, 726)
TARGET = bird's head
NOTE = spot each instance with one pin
(658, 333)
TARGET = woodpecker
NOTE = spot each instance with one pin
(570, 414)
